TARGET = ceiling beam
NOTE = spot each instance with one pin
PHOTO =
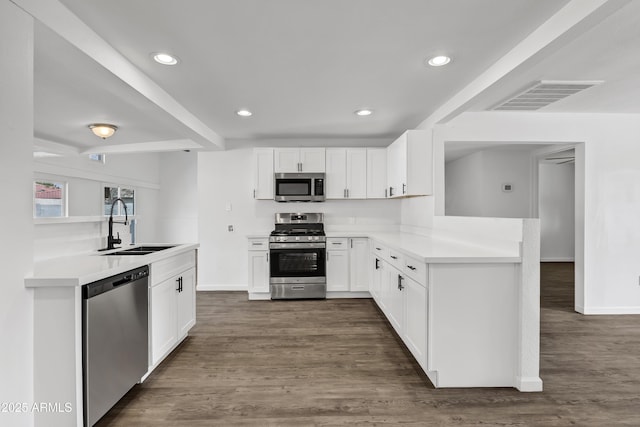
(152, 146)
(62, 21)
(568, 23)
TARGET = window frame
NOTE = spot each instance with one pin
(119, 211)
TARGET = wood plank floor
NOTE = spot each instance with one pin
(337, 362)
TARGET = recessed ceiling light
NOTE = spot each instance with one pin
(244, 113)
(363, 112)
(164, 58)
(439, 61)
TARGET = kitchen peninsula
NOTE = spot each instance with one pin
(463, 296)
(58, 315)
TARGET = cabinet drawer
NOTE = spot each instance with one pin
(415, 269)
(258, 244)
(396, 259)
(379, 250)
(167, 268)
(337, 243)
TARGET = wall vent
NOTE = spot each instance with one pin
(541, 94)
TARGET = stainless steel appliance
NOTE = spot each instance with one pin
(299, 187)
(297, 257)
(115, 349)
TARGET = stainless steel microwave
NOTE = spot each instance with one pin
(299, 187)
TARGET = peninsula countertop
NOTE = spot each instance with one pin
(78, 270)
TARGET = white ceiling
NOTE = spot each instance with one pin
(304, 66)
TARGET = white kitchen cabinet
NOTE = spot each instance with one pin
(258, 266)
(299, 160)
(393, 298)
(359, 264)
(376, 173)
(172, 305)
(415, 318)
(346, 173)
(410, 165)
(337, 264)
(263, 173)
(164, 332)
(377, 270)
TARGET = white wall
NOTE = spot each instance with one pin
(473, 184)
(607, 193)
(16, 250)
(226, 178)
(178, 198)
(85, 179)
(556, 199)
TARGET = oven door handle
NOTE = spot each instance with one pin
(319, 245)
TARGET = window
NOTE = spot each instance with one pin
(49, 199)
(97, 158)
(111, 193)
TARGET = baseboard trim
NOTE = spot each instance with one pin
(529, 384)
(558, 259)
(335, 295)
(214, 288)
(610, 310)
(259, 296)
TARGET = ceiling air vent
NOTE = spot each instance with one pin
(541, 94)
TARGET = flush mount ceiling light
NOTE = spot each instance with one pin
(439, 61)
(363, 112)
(244, 113)
(103, 130)
(164, 58)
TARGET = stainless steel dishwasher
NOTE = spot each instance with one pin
(115, 345)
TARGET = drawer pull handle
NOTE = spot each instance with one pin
(257, 243)
(378, 249)
(411, 267)
(394, 257)
(336, 243)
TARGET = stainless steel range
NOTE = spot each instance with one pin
(297, 254)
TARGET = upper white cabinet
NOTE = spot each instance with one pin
(346, 173)
(376, 173)
(299, 160)
(410, 165)
(263, 173)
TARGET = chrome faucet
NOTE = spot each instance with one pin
(111, 241)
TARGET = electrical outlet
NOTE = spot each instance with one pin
(229, 227)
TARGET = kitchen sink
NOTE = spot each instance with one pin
(141, 250)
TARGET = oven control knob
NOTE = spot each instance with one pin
(297, 238)
(309, 238)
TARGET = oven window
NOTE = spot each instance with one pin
(297, 262)
(293, 187)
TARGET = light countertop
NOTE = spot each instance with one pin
(432, 249)
(81, 269)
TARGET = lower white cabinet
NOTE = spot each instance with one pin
(415, 318)
(172, 303)
(402, 299)
(258, 266)
(359, 264)
(337, 265)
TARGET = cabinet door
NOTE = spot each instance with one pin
(286, 160)
(258, 271)
(312, 159)
(397, 166)
(376, 278)
(263, 173)
(335, 177)
(415, 321)
(337, 270)
(356, 173)
(394, 303)
(359, 263)
(376, 173)
(186, 302)
(163, 318)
